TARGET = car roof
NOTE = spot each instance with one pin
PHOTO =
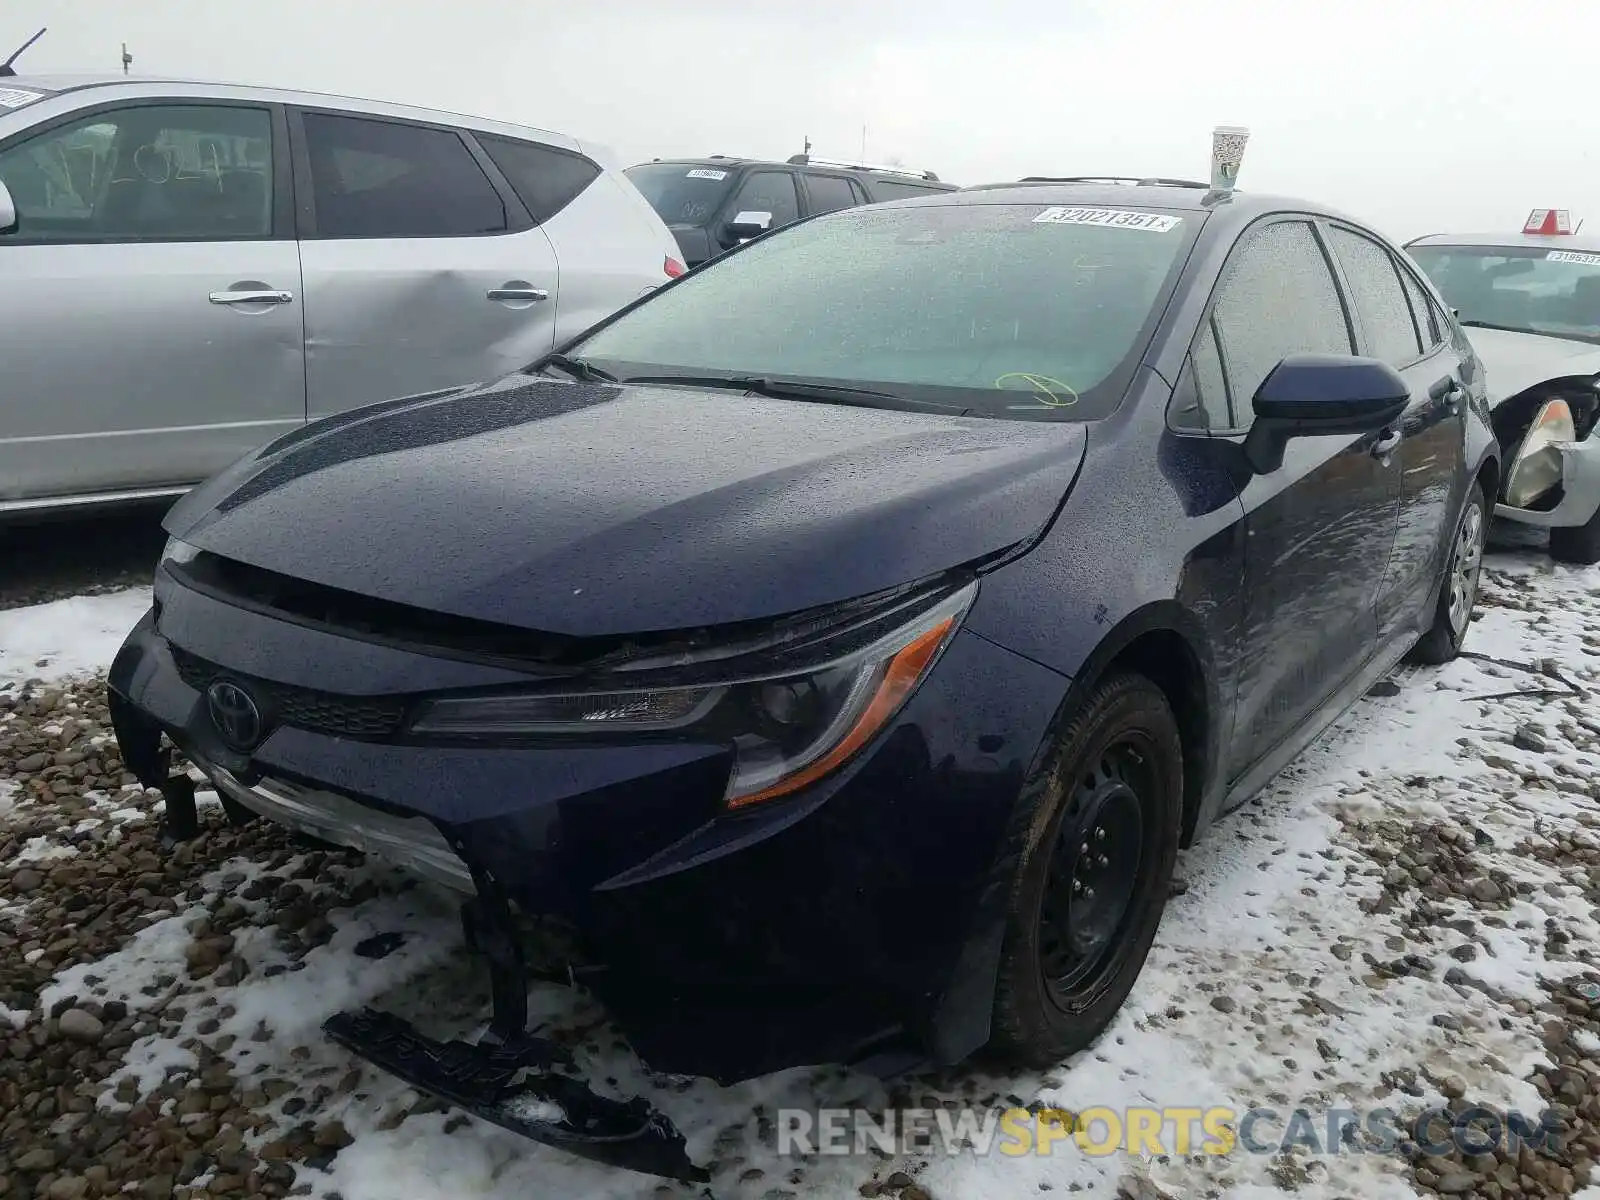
(729, 162)
(1241, 205)
(272, 93)
(1546, 241)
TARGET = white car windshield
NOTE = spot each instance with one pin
(1017, 311)
(1533, 289)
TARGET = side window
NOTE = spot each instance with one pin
(893, 189)
(769, 192)
(1278, 298)
(379, 179)
(1379, 297)
(160, 172)
(829, 193)
(1427, 315)
(545, 178)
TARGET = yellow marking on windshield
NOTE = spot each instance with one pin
(1051, 393)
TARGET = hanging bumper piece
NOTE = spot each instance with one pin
(511, 1078)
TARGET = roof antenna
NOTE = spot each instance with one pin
(127, 59)
(6, 69)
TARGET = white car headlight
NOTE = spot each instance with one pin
(1537, 467)
(788, 730)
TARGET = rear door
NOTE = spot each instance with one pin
(422, 268)
(1319, 529)
(1432, 450)
(149, 297)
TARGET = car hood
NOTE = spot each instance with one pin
(591, 509)
(1515, 361)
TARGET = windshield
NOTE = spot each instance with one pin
(1020, 311)
(1530, 288)
(681, 193)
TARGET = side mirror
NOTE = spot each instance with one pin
(749, 224)
(8, 210)
(1311, 395)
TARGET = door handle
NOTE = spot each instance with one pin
(253, 297)
(1386, 443)
(518, 293)
(1448, 392)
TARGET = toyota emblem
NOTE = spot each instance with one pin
(235, 715)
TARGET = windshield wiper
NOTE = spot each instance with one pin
(1549, 333)
(794, 389)
(578, 368)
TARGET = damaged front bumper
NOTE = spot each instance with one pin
(857, 923)
(511, 1077)
(1580, 489)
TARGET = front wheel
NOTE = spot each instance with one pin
(1099, 844)
(1458, 591)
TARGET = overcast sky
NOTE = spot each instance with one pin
(1417, 115)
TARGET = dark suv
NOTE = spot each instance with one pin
(713, 204)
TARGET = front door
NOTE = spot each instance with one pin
(150, 304)
(418, 276)
(1319, 530)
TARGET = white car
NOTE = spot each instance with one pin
(193, 269)
(1530, 303)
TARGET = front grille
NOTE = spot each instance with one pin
(368, 717)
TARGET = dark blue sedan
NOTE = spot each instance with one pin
(840, 643)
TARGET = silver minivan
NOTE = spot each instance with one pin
(188, 270)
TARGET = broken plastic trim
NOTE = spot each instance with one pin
(486, 1078)
(553, 1109)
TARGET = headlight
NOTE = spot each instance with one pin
(787, 730)
(1537, 466)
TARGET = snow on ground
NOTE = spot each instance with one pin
(1271, 982)
(75, 636)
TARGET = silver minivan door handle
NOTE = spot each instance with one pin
(522, 292)
(264, 296)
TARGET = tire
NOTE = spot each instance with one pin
(1117, 769)
(1458, 590)
(1579, 544)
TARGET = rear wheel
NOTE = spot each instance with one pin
(1098, 853)
(1578, 544)
(1458, 591)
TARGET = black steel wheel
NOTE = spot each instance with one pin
(1099, 836)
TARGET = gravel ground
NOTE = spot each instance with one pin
(49, 560)
(1408, 918)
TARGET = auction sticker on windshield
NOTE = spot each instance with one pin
(1120, 218)
(704, 173)
(17, 97)
(1574, 256)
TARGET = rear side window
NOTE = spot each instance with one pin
(894, 189)
(545, 178)
(1278, 299)
(830, 193)
(380, 179)
(1379, 297)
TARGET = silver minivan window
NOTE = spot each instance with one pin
(149, 172)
